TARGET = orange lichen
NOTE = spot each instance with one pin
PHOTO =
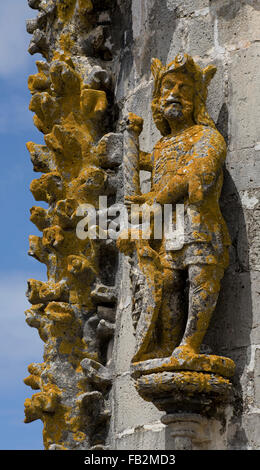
(65, 9)
(186, 167)
(66, 43)
(69, 114)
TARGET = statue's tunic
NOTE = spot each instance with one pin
(197, 156)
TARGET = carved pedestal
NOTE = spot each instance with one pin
(189, 389)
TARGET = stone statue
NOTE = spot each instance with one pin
(186, 167)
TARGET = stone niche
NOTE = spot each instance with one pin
(116, 374)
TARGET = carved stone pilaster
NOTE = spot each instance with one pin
(184, 431)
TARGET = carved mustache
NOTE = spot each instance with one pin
(173, 101)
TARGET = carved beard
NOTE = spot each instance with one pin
(177, 112)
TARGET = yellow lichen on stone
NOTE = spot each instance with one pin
(65, 9)
(85, 5)
(70, 116)
(186, 168)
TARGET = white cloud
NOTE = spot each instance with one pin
(14, 39)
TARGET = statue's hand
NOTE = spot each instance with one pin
(134, 123)
(129, 200)
(145, 202)
(148, 198)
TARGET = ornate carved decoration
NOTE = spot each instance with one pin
(74, 311)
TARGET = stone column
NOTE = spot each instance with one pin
(185, 431)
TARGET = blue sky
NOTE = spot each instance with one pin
(20, 345)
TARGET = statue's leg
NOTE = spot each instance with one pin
(203, 295)
(171, 319)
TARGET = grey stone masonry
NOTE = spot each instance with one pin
(224, 33)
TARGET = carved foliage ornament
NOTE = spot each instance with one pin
(70, 101)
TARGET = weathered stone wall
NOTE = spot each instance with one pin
(224, 33)
(87, 398)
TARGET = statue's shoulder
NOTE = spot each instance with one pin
(211, 134)
(209, 139)
(197, 134)
(186, 135)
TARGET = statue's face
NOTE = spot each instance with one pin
(177, 96)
